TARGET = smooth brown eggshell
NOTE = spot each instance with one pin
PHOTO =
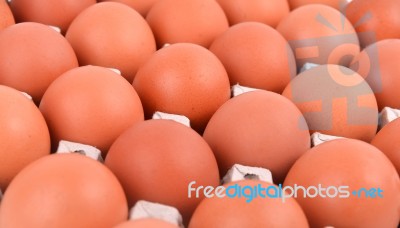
(194, 21)
(335, 101)
(268, 12)
(260, 212)
(32, 56)
(378, 64)
(387, 140)
(375, 20)
(63, 191)
(142, 6)
(255, 55)
(337, 4)
(261, 129)
(58, 13)
(353, 163)
(7, 18)
(90, 105)
(24, 136)
(112, 35)
(146, 223)
(155, 160)
(184, 79)
(320, 34)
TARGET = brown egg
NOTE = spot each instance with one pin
(260, 212)
(24, 136)
(64, 190)
(7, 17)
(349, 183)
(146, 223)
(194, 21)
(112, 35)
(375, 20)
(141, 6)
(337, 4)
(255, 55)
(261, 129)
(33, 55)
(90, 105)
(155, 161)
(387, 140)
(335, 101)
(184, 79)
(269, 12)
(320, 34)
(379, 66)
(58, 13)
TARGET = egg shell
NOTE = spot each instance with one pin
(337, 4)
(146, 223)
(64, 190)
(267, 12)
(378, 64)
(320, 34)
(260, 212)
(261, 129)
(352, 163)
(194, 21)
(335, 101)
(141, 6)
(7, 18)
(24, 136)
(375, 20)
(112, 34)
(155, 160)
(33, 55)
(90, 105)
(255, 55)
(184, 79)
(58, 13)
(387, 140)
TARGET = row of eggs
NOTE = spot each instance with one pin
(96, 106)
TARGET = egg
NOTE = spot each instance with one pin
(268, 12)
(24, 136)
(184, 79)
(193, 21)
(356, 174)
(260, 212)
(64, 190)
(146, 223)
(90, 105)
(112, 35)
(155, 160)
(387, 141)
(377, 64)
(335, 101)
(337, 4)
(33, 55)
(255, 55)
(141, 6)
(59, 13)
(261, 129)
(320, 34)
(7, 17)
(375, 20)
